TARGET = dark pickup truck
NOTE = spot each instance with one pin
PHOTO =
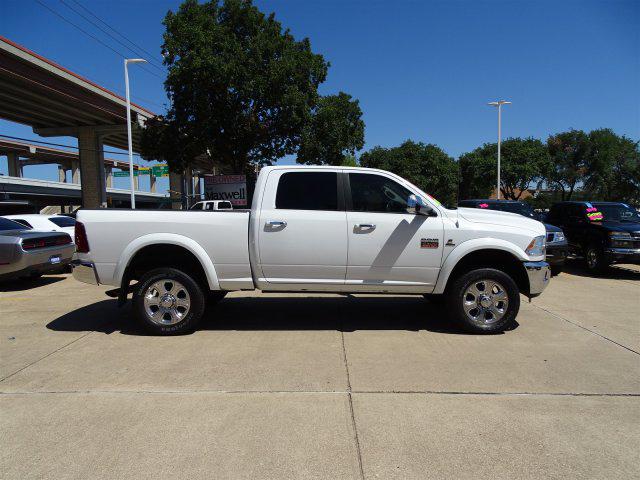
(603, 232)
(557, 247)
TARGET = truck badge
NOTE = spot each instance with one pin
(429, 243)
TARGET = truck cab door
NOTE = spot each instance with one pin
(389, 248)
(302, 230)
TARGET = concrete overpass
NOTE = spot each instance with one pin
(55, 101)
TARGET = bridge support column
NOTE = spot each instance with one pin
(13, 162)
(75, 172)
(109, 175)
(152, 182)
(62, 174)
(94, 193)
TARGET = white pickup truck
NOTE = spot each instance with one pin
(316, 229)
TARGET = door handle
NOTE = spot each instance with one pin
(364, 226)
(276, 223)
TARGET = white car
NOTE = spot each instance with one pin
(45, 223)
(316, 229)
(212, 205)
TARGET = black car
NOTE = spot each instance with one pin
(557, 247)
(603, 232)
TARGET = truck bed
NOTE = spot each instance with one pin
(116, 235)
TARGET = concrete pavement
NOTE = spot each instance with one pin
(321, 386)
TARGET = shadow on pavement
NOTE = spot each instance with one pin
(615, 272)
(20, 285)
(345, 314)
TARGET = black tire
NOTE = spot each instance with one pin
(556, 270)
(487, 321)
(595, 260)
(214, 296)
(188, 292)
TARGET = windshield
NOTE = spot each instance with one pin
(6, 224)
(519, 208)
(617, 212)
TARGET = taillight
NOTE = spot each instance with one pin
(31, 244)
(82, 242)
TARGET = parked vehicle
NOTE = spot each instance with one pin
(29, 253)
(211, 205)
(557, 246)
(603, 233)
(46, 223)
(316, 229)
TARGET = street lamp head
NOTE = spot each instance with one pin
(135, 60)
(498, 103)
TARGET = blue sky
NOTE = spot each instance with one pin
(421, 70)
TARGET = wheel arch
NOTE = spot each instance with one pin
(501, 256)
(166, 250)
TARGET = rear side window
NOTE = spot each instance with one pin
(225, 206)
(308, 191)
(22, 222)
(6, 224)
(375, 193)
(63, 221)
(208, 206)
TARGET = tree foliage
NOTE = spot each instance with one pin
(523, 161)
(241, 88)
(612, 167)
(335, 131)
(424, 165)
(569, 152)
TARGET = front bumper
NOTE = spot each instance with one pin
(623, 255)
(539, 275)
(85, 272)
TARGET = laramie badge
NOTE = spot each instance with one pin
(429, 243)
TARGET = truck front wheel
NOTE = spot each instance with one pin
(484, 300)
(168, 302)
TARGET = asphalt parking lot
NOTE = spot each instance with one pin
(322, 386)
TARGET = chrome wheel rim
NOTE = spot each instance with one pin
(592, 258)
(485, 302)
(166, 302)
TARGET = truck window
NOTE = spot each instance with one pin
(375, 193)
(196, 206)
(308, 191)
(208, 206)
(62, 221)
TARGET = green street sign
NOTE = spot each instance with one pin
(160, 170)
(124, 173)
(144, 171)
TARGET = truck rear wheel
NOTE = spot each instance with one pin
(168, 302)
(484, 300)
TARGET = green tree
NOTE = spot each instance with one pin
(335, 131)
(569, 152)
(523, 161)
(424, 165)
(240, 87)
(612, 167)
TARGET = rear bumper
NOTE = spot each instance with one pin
(85, 272)
(41, 260)
(539, 275)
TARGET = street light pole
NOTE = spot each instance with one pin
(499, 104)
(127, 61)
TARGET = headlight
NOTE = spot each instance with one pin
(536, 247)
(620, 239)
(556, 237)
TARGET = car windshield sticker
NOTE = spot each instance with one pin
(429, 243)
(594, 215)
(483, 205)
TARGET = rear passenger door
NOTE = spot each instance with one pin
(302, 228)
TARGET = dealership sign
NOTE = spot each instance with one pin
(226, 187)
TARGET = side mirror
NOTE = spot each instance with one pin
(417, 206)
